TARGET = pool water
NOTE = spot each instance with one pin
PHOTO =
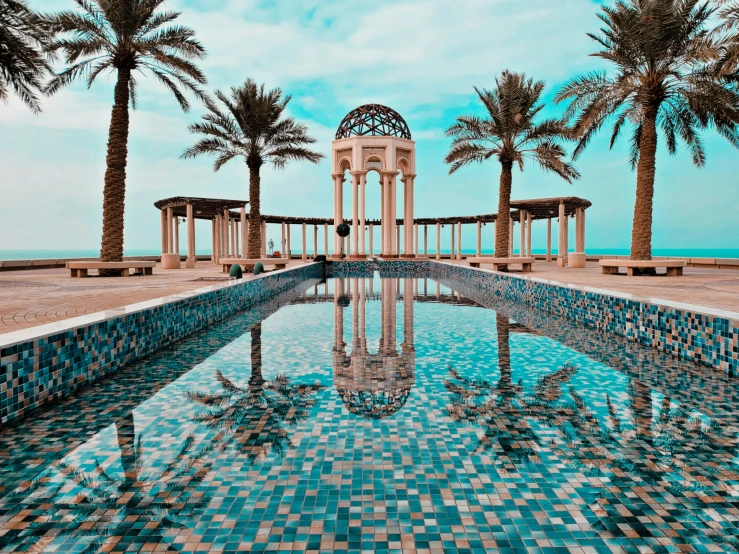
(368, 414)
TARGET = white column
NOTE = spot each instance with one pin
(283, 244)
(190, 238)
(510, 236)
(362, 202)
(479, 238)
(338, 213)
(408, 226)
(561, 245)
(388, 226)
(529, 221)
(217, 238)
(453, 228)
(416, 248)
(582, 217)
(213, 249)
(383, 220)
(395, 241)
(522, 234)
(325, 239)
(288, 241)
(579, 246)
(244, 232)
(425, 240)
(315, 241)
(397, 237)
(549, 239)
(235, 234)
(304, 254)
(355, 214)
(438, 241)
(165, 235)
(371, 239)
(170, 236)
(225, 236)
(176, 235)
(459, 240)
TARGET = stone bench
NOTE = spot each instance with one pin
(525, 263)
(673, 268)
(278, 263)
(80, 269)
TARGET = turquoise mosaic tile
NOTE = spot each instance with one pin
(47, 367)
(383, 416)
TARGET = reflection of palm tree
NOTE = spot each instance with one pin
(254, 416)
(71, 500)
(502, 410)
(671, 451)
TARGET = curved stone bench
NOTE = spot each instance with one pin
(673, 268)
(525, 263)
(278, 263)
(80, 269)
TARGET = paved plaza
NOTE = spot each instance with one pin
(35, 297)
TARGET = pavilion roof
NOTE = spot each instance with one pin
(208, 208)
(203, 208)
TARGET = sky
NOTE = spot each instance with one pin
(420, 57)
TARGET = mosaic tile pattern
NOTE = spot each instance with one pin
(48, 367)
(243, 438)
(704, 338)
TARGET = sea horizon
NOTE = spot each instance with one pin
(32, 254)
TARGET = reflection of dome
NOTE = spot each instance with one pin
(373, 120)
(375, 390)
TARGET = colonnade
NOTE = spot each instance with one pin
(390, 238)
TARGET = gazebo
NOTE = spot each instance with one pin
(375, 138)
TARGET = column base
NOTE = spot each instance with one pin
(357, 256)
(408, 256)
(576, 259)
(389, 256)
(190, 264)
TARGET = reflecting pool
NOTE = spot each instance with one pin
(394, 414)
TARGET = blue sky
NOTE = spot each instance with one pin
(422, 58)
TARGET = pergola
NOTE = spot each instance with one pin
(230, 227)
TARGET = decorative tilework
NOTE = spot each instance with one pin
(705, 338)
(44, 368)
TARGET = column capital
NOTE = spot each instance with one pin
(359, 172)
(338, 176)
(409, 175)
(391, 172)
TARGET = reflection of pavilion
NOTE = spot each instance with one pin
(374, 385)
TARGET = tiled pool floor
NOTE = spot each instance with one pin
(352, 420)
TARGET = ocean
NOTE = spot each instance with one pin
(680, 252)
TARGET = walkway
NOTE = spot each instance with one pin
(29, 298)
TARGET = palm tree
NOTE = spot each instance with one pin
(251, 127)
(23, 37)
(508, 133)
(125, 36)
(726, 32)
(667, 75)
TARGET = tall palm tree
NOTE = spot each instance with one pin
(252, 127)
(125, 37)
(509, 134)
(23, 66)
(665, 74)
(726, 32)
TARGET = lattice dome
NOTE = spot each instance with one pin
(373, 120)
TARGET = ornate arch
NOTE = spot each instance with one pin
(343, 160)
(373, 157)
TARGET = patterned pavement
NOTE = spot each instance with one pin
(29, 298)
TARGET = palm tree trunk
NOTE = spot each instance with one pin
(254, 249)
(641, 232)
(114, 193)
(125, 429)
(502, 222)
(256, 379)
(503, 327)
